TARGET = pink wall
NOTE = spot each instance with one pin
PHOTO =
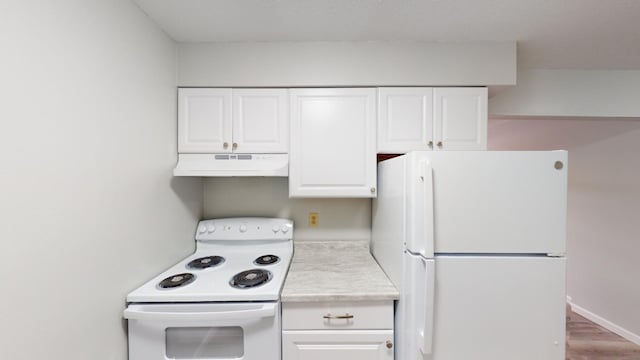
(603, 240)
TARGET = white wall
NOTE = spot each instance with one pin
(562, 92)
(89, 209)
(339, 219)
(603, 209)
(290, 64)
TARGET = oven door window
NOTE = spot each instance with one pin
(204, 342)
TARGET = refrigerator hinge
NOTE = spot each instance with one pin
(558, 254)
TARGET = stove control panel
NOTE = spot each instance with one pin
(245, 228)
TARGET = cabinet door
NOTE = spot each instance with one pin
(332, 143)
(260, 121)
(204, 120)
(337, 345)
(405, 119)
(460, 118)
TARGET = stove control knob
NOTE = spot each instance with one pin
(243, 228)
(211, 228)
(285, 229)
(275, 228)
(202, 229)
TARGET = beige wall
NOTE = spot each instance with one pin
(89, 209)
(340, 219)
(603, 243)
(347, 63)
(566, 92)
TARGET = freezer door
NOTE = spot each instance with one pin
(498, 308)
(487, 202)
(420, 209)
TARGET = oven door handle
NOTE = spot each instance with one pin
(267, 310)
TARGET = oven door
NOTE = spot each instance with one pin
(205, 331)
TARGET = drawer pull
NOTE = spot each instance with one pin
(345, 316)
(389, 344)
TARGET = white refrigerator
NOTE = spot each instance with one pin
(475, 243)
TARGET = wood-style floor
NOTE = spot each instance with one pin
(588, 341)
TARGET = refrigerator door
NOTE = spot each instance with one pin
(498, 308)
(487, 202)
(415, 309)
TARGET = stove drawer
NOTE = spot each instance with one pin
(363, 315)
(204, 331)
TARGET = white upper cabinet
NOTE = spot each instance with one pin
(333, 151)
(425, 118)
(460, 118)
(214, 120)
(204, 120)
(260, 121)
(405, 119)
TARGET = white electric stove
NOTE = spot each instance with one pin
(220, 303)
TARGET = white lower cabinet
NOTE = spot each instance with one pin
(338, 331)
(337, 345)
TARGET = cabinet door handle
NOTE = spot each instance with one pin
(345, 316)
(430, 143)
(225, 145)
(235, 146)
(389, 344)
(439, 144)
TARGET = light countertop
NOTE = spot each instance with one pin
(335, 271)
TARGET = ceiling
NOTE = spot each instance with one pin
(551, 34)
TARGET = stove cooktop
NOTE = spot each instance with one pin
(205, 262)
(251, 278)
(225, 270)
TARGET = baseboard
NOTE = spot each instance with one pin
(634, 338)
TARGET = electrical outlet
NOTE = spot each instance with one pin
(313, 219)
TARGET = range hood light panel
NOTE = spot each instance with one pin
(226, 165)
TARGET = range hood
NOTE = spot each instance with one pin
(232, 165)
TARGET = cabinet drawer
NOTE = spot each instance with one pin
(338, 345)
(337, 315)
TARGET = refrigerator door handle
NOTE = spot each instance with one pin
(426, 345)
(426, 175)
